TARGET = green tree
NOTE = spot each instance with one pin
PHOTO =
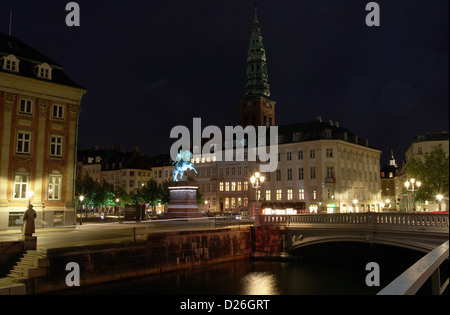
(432, 172)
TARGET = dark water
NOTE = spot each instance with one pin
(334, 269)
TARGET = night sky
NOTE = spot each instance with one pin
(151, 65)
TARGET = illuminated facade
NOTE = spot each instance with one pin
(322, 167)
(39, 108)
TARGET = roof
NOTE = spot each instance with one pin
(438, 136)
(30, 58)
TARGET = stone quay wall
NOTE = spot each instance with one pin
(160, 252)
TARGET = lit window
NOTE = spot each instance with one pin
(227, 186)
(245, 186)
(278, 194)
(54, 187)
(233, 186)
(268, 195)
(301, 194)
(239, 186)
(20, 186)
(221, 186)
(289, 194)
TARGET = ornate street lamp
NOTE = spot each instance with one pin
(411, 186)
(257, 180)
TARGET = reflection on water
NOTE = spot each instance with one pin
(259, 283)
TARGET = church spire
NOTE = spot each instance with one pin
(257, 78)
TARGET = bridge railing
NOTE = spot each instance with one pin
(418, 221)
(412, 280)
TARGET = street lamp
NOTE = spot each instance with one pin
(257, 180)
(81, 203)
(439, 198)
(413, 183)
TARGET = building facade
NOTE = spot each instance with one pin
(39, 108)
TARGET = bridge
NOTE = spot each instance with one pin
(418, 231)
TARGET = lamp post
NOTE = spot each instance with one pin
(81, 212)
(439, 198)
(257, 180)
(411, 186)
(355, 201)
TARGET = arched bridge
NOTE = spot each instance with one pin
(417, 231)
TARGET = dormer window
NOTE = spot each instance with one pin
(10, 63)
(44, 71)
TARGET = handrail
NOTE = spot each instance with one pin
(410, 281)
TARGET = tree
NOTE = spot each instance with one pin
(432, 172)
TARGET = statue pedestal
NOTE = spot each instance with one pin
(29, 242)
(183, 201)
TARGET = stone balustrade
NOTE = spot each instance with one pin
(438, 222)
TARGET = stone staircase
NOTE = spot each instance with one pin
(33, 264)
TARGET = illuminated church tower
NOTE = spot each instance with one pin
(256, 108)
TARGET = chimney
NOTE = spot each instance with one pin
(336, 124)
(367, 142)
(356, 139)
(330, 122)
(319, 118)
(345, 136)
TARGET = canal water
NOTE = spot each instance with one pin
(333, 269)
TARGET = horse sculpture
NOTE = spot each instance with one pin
(182, 164)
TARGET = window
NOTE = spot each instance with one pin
(239, 186)
(20, 186)
(288, 156)
(221, 186)
(278, 194)
(268, 195)
(278, 172)
(58, 111)
(330, 172)
(10, 63)
(25, 106)
(289, 174)
(301, 194)
(233, 186)
(312, 154)
(289, 194)
(300, 173)
(329, 153)
(314, 194)
(56, 146)
(312, 171)
(245, 185)
(23, 142)
(296, 136)
(54, 187)
(227, 186)
(44, 71)
(300, 154)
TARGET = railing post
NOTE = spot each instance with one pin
(436, 282)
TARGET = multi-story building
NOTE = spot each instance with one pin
(391, 186)
(322, 167)
(128, 170)
(425, 143)
(39, 106)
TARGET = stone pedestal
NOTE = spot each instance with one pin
(183, 201)
(29, 242)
